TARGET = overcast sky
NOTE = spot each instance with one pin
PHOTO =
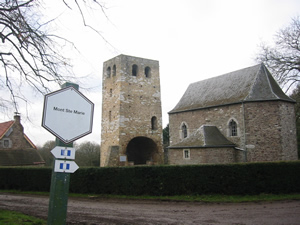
(192, 40)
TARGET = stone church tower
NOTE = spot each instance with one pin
(131, 112)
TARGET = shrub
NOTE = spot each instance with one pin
(228, 179)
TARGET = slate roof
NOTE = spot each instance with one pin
(26, 157)
(246, 85)
(204, 137)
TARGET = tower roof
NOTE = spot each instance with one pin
(246, 85)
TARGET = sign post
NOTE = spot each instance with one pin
(59, 191)
(68, 115)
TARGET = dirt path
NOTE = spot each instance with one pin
(104, 211)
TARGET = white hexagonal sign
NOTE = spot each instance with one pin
(68, 114)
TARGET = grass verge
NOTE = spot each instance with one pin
(16, 218)
(189, 198)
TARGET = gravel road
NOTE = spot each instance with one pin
(91, 211)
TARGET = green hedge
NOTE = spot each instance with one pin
(231, 179)
(25, 178)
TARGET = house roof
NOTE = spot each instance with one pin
(205, 137)
(26, 157)
(4, 128)
(249, 84)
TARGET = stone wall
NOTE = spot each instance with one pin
(271, 131)
(203, 156)
(265, 129)
(130, 99)
(216, 116)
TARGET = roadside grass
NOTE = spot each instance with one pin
(16, 218)
(189, 198)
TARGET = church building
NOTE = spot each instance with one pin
(242, 116)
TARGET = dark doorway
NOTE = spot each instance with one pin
(140, 150)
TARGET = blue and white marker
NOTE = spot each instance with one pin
(63, 152)
(65, 166)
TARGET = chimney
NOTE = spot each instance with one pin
(17, 117)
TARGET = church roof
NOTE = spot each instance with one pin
(246, 85)
(204, 137)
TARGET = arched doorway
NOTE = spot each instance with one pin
(140, 150)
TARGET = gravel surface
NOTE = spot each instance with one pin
(90, 211)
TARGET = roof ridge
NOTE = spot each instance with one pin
(268, 78)
(251, 84)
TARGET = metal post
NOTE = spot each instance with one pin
(59, 190)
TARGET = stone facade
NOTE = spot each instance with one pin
(264, 118)
(266, 130)
(270, 131)
(131, 112)
(202, 156)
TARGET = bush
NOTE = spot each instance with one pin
(228, 179)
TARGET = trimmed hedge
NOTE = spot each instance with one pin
(229, 179)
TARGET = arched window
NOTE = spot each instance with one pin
(147, 72)
(232, 128)
(184, 130)
(134, 70)
(114, 70)
(154, 123)
(108, 71)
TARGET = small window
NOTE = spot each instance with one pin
(147, 72)
(154, 123)
(110, 92)
(184, 131)
(114, 70)
(109, 116)
(6, 143)
(186, 154)
(134, 70)
(232, 128)
(108, 72)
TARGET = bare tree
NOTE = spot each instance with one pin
(88, 154)
(46, 154)
(29, 54)
(283, 59)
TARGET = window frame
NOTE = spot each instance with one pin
(114, 70)
(186, 154)
(6, 140)
(134, 70)
(184, 130)
(147, 72)
(233, 128)
(154, 123)
(108, 72)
